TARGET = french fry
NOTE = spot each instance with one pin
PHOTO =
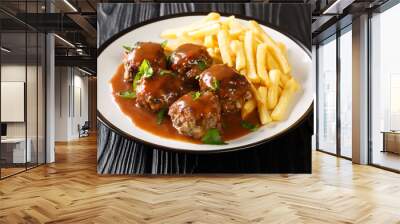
(228, 20)
(250, 61)
(203, 31)
(212, 53)
(248, 107)
(276, 51)
(281, 110)
(272, 63)
(280, 58)
(243, 71)
(273, 96)
(175, 33)
(285, 78)
(211, 16)
(258, 40)
(200, 26)
(275, 77)
(283, 48)
(263, 112)
(253, 90)
(183, 38)
(224, 47)
(256, 28)
(261, 64)
(262, 93)
(237, 47)
(252, 52)
(171, 45)
(170, 33)
(209, 41)
(236, 28)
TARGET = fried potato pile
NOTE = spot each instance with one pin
(253, 53)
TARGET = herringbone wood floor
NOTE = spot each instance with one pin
(70, 191)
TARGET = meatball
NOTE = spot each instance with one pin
(194, 113)
(232, 88)
(190, 60)
(153, 52)
(159, 91)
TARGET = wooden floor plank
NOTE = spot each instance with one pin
(70, 191)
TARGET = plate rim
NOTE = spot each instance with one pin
(111, 126)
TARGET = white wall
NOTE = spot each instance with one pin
(71, 92)
(61, 114)
(12, 73)
(34, 125)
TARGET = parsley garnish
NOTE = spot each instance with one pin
(130, 48)
(145, 70)
(196, 95)
(136, 81)
(213, 137)
(164, 43)
(127, 48)
(167, 72)
(215, 84)
(202, 64)
(127, 94)
(248, 125)
(161, 115)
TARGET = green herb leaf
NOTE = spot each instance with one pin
(145, 69)
(213, 137)
(130, 48)
(127, 48)
(136, 80)
(164, 43)
(127, 94)
(167, 72)
(202, 64)
(215, 84)
(161, 115)
(196, 95)
(248, 125)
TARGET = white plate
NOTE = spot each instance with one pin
(110, 58)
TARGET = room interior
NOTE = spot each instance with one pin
(49, 124)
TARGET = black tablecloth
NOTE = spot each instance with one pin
(289, 153)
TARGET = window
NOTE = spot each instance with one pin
(22, 77)
(327, 96)
(385, 89)
(346, 92)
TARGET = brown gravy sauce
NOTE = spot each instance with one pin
(232, 128)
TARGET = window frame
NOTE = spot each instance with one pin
(378, 10)
(334, 37)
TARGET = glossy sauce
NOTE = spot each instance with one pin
(201, 105)
(159, 91)
(185, 58)
(232, 128)
(153, 52)
(232, 88)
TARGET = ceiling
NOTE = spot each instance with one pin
(75, 21)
